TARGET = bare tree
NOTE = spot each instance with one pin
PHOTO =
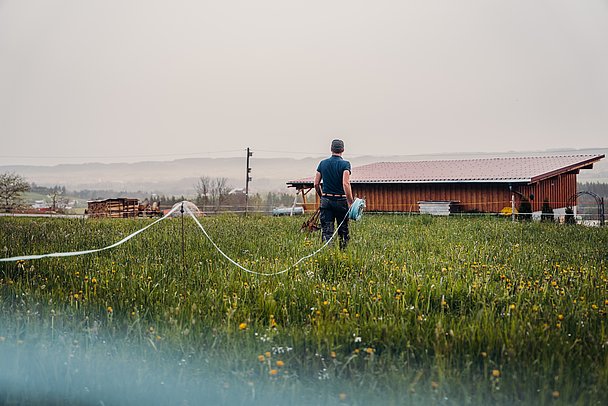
(55, 195)
(212, 191)
(203, 190)
(12, 186)
(219, 191)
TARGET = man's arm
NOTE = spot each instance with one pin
(346, 186)
(318, 184)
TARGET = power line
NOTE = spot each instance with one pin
(292, 152)
(121, 156)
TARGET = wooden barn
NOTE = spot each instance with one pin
(488, 185)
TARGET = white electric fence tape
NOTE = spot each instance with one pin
(354, 212)
(69, 254)
(261, 273)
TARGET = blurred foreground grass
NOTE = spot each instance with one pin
(417, 310)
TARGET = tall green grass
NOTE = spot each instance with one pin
(417, 309)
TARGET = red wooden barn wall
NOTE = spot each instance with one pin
(557, 190)
(482, 197)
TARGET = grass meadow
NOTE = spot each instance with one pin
(417, 310)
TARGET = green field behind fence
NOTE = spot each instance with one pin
(418, 310)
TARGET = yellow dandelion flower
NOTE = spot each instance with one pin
(110, 310)
(267, 353)
(560, 317)
(342, 396)
(273, 372)
(280, 363)
(496, 373)
(512, 307)
(332, 354)
(434, 385)
(369, 350)
(325, 302)
(555, 394)
(484, 354)
(261, 358)
(242, 326)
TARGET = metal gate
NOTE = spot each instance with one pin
(598, 200)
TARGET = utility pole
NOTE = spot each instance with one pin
(247, 180)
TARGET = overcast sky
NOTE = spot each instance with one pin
(122, 81)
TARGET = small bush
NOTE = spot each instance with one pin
(570, 216)
(547, 211)
(525, 210)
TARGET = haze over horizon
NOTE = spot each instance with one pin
(130, 81)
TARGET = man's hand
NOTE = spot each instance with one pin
(346, 186)
(318, 184)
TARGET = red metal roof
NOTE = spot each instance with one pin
(502, 170)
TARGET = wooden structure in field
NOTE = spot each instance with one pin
(486, 185)
(115, 208)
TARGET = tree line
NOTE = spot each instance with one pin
(216, 194)
(210, 195)
(599, 188)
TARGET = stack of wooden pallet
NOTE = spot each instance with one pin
(114, 208)
(437, 208)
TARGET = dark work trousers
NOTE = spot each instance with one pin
(334, 209)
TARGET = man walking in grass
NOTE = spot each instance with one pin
(335, 193)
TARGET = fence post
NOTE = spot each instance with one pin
(513, 206)
(183, 243)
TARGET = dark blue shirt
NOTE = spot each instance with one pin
(332, 170)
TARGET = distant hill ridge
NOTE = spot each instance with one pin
(269, 174)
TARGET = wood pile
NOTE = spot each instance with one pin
(147, 209)
(113, 208)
